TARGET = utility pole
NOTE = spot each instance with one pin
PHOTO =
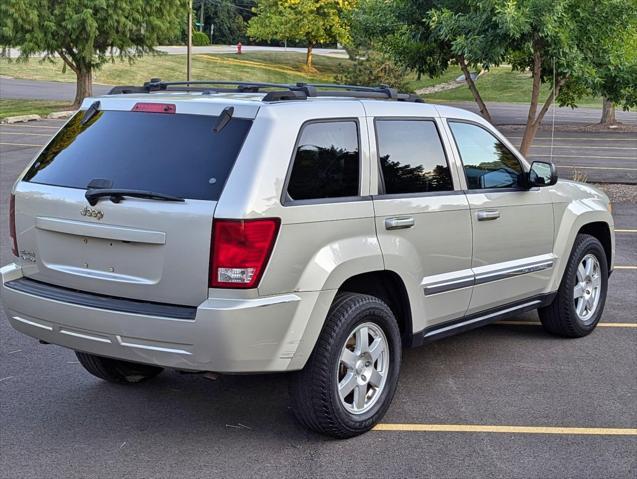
(189, 51)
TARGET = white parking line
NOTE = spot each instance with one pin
(21, 144)
(595, 167)
(23, 133)
(31, 126)
(582, 156)
(573, 138)
(620, 230)
(587, 147)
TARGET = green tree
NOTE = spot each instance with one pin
(561, 42)
(227, 18)
(309, 21)
(86, 34)
(571, 37)
(428, 36)
(616, 70)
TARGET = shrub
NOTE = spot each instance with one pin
(200, 39)
(374, 70)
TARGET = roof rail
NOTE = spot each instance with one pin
(277, 91)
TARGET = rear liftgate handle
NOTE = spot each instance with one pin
(399, 223)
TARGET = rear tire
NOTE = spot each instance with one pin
(579, 303)
(350, 379)
(115, 370)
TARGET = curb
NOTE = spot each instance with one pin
(56, 115)
(21, 118)
(60, 115)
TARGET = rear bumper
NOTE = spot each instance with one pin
(226, 335)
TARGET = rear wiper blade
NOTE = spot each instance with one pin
(90, 112)
(116, 195)
(224, 119)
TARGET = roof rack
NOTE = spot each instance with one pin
(276, 91)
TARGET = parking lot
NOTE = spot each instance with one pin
(506, 400)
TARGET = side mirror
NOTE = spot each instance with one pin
(542, 173)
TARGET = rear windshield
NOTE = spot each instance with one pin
(173, 154)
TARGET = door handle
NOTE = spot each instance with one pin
(399, 223)
(488, 215)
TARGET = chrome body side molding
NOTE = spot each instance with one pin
(443, 283)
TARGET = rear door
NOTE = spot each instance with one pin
(422, 218)
(138, 248)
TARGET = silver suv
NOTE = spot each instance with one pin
(316, 229)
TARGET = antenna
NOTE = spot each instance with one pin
(553, 122)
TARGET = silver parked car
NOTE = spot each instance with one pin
(316, 229)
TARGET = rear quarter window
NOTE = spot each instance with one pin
(174, 154)
(326, 161)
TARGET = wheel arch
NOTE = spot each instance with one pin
(574, 221)
(601, 231)
(388, 286)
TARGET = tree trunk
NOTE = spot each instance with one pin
(201, 17)
(84, 85)
(474, 90)
(532, 124)
(308, 57)
(608, 112)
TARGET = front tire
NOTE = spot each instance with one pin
(579, 303)
(115, 370)
(350, 379)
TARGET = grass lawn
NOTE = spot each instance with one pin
(502, 85)
(28, 107)
(451, 74)
(254, 66)
(499, 84)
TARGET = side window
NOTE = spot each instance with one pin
(412, 159)
(326, 162)
(487, 162)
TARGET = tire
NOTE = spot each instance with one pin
(315, 397)
(115, 370)
(561, 317)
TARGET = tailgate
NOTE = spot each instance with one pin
(145, 249)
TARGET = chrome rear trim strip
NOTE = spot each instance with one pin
(32, 323)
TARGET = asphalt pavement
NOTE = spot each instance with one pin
(567, 399)
(16, 89)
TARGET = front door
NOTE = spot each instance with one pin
(512, 225)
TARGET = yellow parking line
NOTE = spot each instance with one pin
(625, 267)
(591, 431)
(20, 144)
(625, 231)
(537, 323)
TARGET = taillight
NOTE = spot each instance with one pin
(240, 251)
(14, 242)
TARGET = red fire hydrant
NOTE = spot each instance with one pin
(239, 48)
